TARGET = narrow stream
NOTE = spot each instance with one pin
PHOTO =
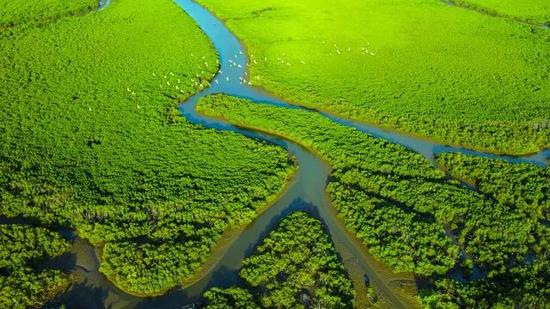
(306, 192)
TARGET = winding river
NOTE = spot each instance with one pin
(306, 192)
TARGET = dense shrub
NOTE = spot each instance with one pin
(40, 12)
(90, 139)
(413, 218)
(23, 246)
(296, 266)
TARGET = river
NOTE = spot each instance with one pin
(305, 192)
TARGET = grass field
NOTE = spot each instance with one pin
(90, 139)
(422, 67)
(530, 11)
(483, 247)
(41, 12)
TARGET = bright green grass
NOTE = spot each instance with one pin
(90, 139)
(296, 266)
(413, 218)
(15, 13)
(533, 11)
(422, 67)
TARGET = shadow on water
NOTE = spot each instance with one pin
(65, 262)
(82, 295)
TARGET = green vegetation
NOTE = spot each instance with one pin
(529, 11)
(15, 13)
(296, 266)
(23, 244)
(90, 139)
(25, 288)
(524, 186)
(411, 216)
(22, 247)
(422, 67)
(232, 297)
